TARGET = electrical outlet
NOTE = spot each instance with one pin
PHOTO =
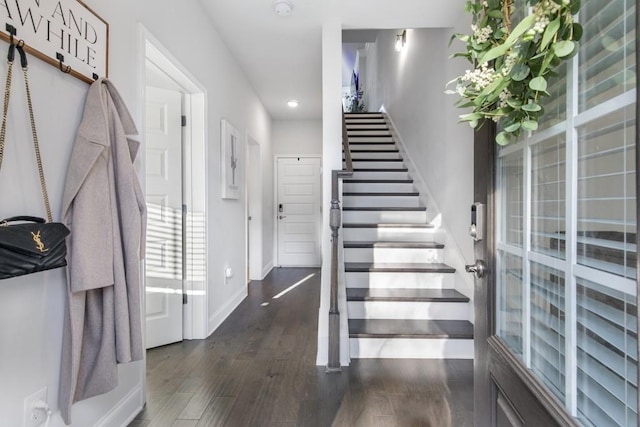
(35, 417)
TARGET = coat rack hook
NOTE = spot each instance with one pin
(64, 68)
(12, 32)
(95, 76)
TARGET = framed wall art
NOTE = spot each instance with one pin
(230, 149)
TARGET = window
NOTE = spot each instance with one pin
(566, 291)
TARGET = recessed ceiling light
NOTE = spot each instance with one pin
(293, 103)
(283, 7)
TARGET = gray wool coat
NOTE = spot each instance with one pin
(103, 206)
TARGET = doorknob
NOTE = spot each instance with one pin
(282, 216)
(479, 268)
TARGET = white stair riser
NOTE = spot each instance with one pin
(399, 255)
(408, 310)
(372, 139)
(390, 234)
(380, 175)
(385, 217)
(372, 147)
(408, 348)
(357, 156)
(366, 126)
(403, 280)
(391, 201)
(368, 133)
(358, 164)
(377, 187)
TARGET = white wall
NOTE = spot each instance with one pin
(410, 86)
(31, 307)
(297, 137)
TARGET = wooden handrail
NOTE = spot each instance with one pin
(335, 222)
(345, 146)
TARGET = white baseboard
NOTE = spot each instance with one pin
(124, 411)
(267, 269)
(218, 317)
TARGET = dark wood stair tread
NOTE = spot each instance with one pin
(380, 170)
(385, 208)
(371, 143)
(415, 193)
(386, 225)
(368, 267)
(378, 181)
(404, 245)
(376, 160)
(412, 295)
(379, 119)
(391, 328)
(386, 150)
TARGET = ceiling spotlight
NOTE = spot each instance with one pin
(283, 7)
(293, 103)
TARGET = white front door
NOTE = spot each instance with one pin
(164, 262)
(298, 211)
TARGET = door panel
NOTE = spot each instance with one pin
(164, 263)
(505, 392)
(506, 414)
(298, 213)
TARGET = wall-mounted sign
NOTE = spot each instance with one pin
(60, 29)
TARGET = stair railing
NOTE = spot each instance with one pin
(335, 222)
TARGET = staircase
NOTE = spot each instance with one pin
(400, 293)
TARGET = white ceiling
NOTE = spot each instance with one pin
(282, 56)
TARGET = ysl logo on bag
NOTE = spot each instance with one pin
(39, 244)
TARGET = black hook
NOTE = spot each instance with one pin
(95, 76)
(12, 47)
(11, 30)
(64, 68)
(23, 55)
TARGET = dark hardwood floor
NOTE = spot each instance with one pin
(258, 369)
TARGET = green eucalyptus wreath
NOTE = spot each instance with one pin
(512, 66)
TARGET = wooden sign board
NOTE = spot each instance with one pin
(51, 28)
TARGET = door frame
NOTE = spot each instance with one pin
(276, 261)
(195, 174)
(254, 230)
(484, 290)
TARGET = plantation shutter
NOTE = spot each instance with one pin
(566, 291)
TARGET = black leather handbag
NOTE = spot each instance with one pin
(28, 244)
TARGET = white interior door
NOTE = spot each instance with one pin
(298, 211)
(164, 263)
(254, 210)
